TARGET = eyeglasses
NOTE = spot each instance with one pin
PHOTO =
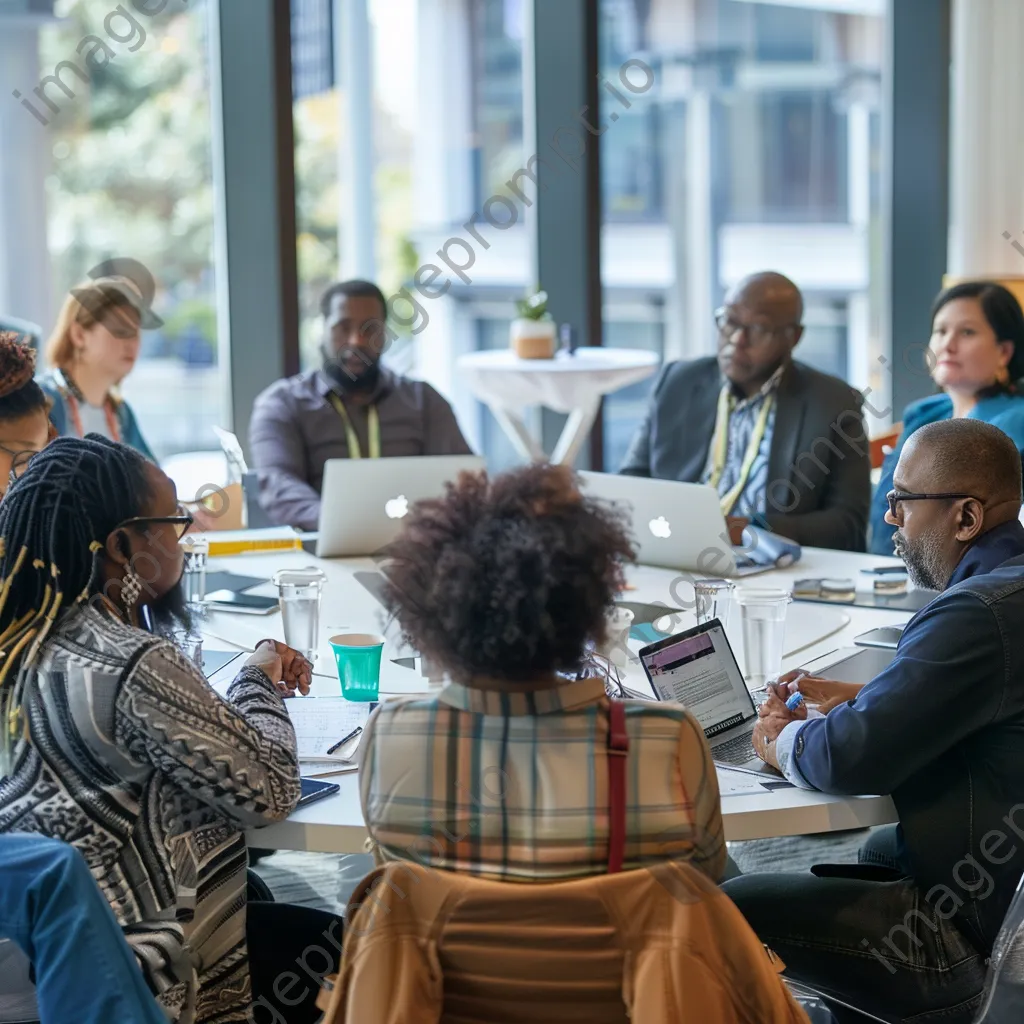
(181, 522)
(757, 334)
(895, 497)
(19, 463)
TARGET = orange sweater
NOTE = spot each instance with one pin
(653, 946)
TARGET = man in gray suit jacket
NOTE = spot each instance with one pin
(784, 445)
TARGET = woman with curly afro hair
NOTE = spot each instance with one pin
(506, 584)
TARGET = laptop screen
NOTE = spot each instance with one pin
(697, 668)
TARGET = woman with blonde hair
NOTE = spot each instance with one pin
(93, 347)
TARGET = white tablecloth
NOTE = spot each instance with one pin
(566, 383)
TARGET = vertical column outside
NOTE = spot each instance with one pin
(254, 197)
(357, 224)
(25, 271)
(916, 184)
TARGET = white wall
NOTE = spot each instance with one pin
(986, 141)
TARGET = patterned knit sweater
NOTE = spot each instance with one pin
(136, 761)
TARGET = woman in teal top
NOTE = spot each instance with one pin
(976, 354)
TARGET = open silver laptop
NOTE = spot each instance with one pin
(363, 501)
(677, 525)
(697, 668)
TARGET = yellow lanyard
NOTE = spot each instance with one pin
(372, 428)
(720, 447)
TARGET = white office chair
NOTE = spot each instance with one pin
(194, 472)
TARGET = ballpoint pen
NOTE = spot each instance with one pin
(351, 736)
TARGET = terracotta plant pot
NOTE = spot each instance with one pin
(533, 339)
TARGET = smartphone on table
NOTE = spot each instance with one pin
(314, 789)
(884, 636)
(250, 604)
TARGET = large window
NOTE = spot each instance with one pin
(756, 149)
(405, 126)
(130, 176)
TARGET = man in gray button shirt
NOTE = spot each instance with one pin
(350, 408)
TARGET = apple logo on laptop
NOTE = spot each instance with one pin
(396, 508)
(660, 528)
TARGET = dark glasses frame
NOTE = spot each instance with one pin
(182, 519)
(895, 497)
(757, 334)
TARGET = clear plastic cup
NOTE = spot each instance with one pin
(714, 600)
(763, 619)
(357, 656)
(197, 552)
(190, 644)
(299, 591)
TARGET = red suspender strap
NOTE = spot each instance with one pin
(618, 748)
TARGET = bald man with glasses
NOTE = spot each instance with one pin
(906, 933)
(783, 444)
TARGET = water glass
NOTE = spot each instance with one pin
(299, 591)
(714, 600)
(197, 552)
(763, 617)
(190, 644)
(357, 656)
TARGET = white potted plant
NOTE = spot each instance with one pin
(533, 332)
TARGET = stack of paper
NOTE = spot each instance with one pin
(320, 723)
(733, 783)
(325, 769)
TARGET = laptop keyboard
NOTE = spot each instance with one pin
(738, 750)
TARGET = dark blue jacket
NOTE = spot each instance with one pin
(819, 466)
(942, 731)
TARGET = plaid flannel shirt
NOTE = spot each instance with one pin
(514, 785)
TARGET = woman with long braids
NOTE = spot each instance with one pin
(114, 742)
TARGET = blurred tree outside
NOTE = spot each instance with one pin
(319, 132)
(131, 161)
(131, 175)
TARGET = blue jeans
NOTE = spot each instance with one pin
(863, 933)
(52, 908)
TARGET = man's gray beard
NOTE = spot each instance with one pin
(924, 565)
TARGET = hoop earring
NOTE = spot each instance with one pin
(1002, 375)
(131, 588)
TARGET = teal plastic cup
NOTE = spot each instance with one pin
(357, 656)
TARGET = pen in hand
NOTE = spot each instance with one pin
(786, 690)
(351, 736)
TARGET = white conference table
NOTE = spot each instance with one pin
(335, 824)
